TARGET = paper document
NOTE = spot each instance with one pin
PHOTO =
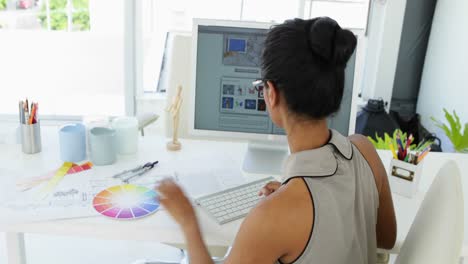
(71, 198)
(206, 181)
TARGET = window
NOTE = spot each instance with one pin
(270, 11)
(163, 16)
(69, 15)
(348, 13)
(68, 55)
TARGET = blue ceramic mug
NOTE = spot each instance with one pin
(72, 139)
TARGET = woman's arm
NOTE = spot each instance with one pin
(180, 208)
(386, 222)
(265, 235)
(198, 253)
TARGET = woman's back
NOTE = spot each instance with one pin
(345, 202)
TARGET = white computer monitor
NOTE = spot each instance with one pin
(226, 59)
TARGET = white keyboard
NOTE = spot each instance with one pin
(231, 204)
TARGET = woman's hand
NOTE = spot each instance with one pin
(177, 204)
(269, 188)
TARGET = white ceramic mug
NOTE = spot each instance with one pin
(126, 129)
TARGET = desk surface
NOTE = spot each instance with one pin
(195, 156)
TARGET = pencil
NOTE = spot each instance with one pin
(26, 116)
(33, 113)
(421, 157)
(399, 143)
(21, 112)
(424, 154)
(393, 151)
(36, 113)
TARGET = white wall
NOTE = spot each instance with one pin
(444, 82)
(106, 16)
(384, 34)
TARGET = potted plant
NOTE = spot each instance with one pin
(3, 4)
(455, 131)
(386, 141)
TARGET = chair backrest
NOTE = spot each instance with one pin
(436, 235)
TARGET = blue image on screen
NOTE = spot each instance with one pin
(237, 45)
(250, 104)
(228, 102)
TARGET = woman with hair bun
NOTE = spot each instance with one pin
(333, 204)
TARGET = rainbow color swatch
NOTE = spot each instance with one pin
(126, 201)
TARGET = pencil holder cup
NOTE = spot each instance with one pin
(31, 138)
(72, 142)
(102, 145)
(404, 177)
(126, 131)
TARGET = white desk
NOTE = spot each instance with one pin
(196, 155)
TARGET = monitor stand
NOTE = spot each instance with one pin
(265, 157)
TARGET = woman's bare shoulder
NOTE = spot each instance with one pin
(295, 192)
(266, 234)
(369, 153)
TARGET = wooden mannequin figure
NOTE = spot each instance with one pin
(174, 110)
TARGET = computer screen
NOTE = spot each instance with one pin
(228, 60)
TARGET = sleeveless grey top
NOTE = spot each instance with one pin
(345, 201)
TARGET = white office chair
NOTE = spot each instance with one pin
(183, 260)
(145, 120)
(436, 235)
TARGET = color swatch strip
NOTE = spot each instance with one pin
(29, 183)
(126, 201)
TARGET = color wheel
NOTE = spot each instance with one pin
(126, 201)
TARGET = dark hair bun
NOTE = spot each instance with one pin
(330, 42)
(306, 61)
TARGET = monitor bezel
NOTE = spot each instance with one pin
(245, 135)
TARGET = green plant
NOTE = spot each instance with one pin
(457, 133)
(58, 15)
(3, 4)
(386, 141)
